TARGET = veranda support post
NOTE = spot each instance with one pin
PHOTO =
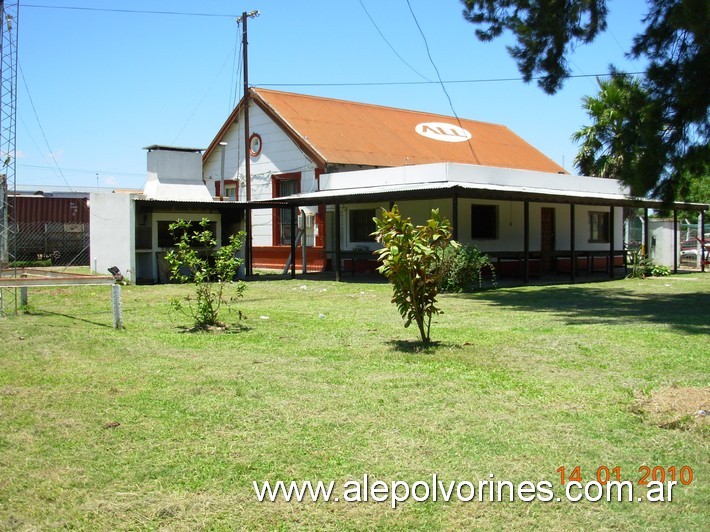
(702, 241)
(572, 258)
(337, 242)
(293, 242)
(526, 241)
(646, 235)
(612, 232)
(675, 240)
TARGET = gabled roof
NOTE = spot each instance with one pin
(349, 133)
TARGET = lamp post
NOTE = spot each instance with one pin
(221, 175)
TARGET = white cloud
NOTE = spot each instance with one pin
(56, 155)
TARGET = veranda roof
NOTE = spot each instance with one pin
(448, 180)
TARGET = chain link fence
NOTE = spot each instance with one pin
(50, 244)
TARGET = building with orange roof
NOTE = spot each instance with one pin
(329, 166)
(337, 162)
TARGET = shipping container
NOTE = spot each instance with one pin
(32, 209)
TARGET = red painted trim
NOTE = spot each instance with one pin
(274, 257)
(276, 179)
(320, 220)
(252, 138)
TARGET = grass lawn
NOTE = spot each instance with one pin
(153, 427)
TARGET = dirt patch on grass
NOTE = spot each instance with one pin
(681, 408)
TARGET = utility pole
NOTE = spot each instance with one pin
(9, 14)
(247, 155)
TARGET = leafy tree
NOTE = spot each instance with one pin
(676, 43)
(194, 260)
(547, 31)
(698, 192)
(624, 138)
(411, 259)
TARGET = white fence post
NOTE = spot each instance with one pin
(117, 311)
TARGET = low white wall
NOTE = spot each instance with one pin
(112, 233)
(661, 232)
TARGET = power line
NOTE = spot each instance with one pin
(234, 90)
(130, 11)
(204, 96)
(390, 45)
(79, 170)
(44, 136)
(438, 75)
(448, 82)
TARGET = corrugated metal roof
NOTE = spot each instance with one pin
(154, 147)
(443, 189)
(346, 132)
(342, 132)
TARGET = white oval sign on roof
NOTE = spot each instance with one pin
(442, 131)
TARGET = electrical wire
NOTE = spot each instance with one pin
(204, 97)
(129, 11)
(234, 91)
(389, 44)
(448, 82)
(44, 136)
(438, 75)
(79, 170)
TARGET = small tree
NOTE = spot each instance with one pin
(411, 259)
(194, 260)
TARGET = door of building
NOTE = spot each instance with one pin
(547, 238)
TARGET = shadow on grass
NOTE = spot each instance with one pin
(234, 328)
(414, 346)
(75, 318)
(688, 312)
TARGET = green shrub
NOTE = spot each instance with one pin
(464, 268)
(30, 263)
(641, 267)
(411, 259)
(638, 264)
(659, 271)
(194, 260)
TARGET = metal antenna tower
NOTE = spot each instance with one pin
(9, 13)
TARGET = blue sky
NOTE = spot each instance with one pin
(100, 86)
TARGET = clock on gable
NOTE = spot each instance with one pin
(255, 144)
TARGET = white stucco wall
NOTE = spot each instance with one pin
(112, 233)
(661, 232)
(510, 223)
(279, 155)
(175, 175)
